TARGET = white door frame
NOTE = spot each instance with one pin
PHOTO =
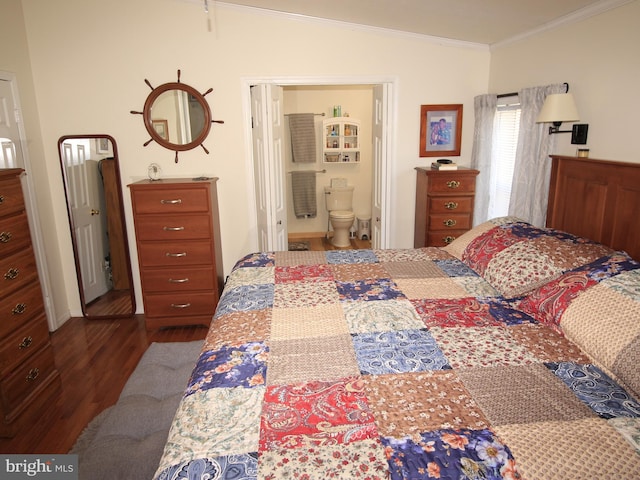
(32, 207)
(387, 159)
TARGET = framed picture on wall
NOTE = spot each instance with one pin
(440, 130)
(162, 128)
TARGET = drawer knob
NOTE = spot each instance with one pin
(449, 222)
(448, 239)
(25, 343)
(180, 305)
(5, 237)
(453, 184)
(19, 309)
(178, 280)
(1, 199)
(451, 205)
(32, 375)
(171, 202)
(181, 254)
(172, 229)
(11, 274)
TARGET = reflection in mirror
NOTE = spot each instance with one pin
(93, 191)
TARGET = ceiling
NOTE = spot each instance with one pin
(477, 21)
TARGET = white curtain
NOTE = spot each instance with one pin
(485, 107)
(532, 165)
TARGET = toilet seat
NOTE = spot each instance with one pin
(341, 214)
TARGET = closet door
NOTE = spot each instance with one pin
(268, 163)
(276, 117)
(381, 184)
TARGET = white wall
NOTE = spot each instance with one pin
(600, 59)
(90, 57)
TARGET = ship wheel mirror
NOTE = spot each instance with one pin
(177, 116)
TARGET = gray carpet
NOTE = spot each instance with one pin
(126, 440)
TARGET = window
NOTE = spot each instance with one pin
(506, 128)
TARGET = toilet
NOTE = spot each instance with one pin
(338, 199)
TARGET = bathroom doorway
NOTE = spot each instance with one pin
(356, 102)
(266, 159)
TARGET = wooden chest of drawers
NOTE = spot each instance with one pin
(179, 253)
(28, 375)
(444, 205)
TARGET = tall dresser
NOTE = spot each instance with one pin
(28, 374)
(179, 254)
(444, 205)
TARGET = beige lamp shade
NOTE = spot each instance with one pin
(558, 107)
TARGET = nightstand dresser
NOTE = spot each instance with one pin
(444, 205)
(179, 254)
(28, 374)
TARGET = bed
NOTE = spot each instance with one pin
(511, 353)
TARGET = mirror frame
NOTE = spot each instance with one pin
(146, 115)
(123, 225)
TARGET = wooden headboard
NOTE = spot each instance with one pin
(597, 199)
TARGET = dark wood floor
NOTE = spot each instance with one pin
(116, 303)
(95, 358)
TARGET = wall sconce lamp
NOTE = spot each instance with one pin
(558, 108)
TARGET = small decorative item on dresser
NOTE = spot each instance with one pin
(583, 153)
(444, 164)
(154, 172)
(444, 205)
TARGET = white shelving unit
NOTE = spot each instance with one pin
(341, 140)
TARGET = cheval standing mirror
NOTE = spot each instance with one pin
(93, 191)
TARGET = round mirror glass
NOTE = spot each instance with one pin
(177, 116)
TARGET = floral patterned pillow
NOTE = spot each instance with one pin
(459, 245)
(516, 258)
(548, 303)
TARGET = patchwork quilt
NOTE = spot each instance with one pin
(415, 364)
